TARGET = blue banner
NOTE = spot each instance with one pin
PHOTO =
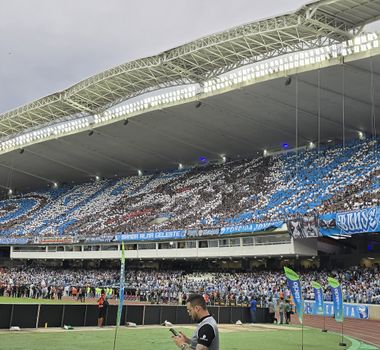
(8, 241)
(336, 290)
(318, 296)
(350, 310)
(351, 222)
(122, 285)
(294, 285)
(151, 236)
(251, 227)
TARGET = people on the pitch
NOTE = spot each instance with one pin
(102, 308)
(206, 335)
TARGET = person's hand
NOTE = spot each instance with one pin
(186, 338)
(180, 339)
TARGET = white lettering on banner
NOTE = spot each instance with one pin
(250, 227)
(336, 292)
(297, 294)
(350, 310)
(358, 221)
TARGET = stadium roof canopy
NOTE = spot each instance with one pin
(316, 24)
(239, 120)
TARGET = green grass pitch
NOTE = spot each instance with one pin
(160, 338)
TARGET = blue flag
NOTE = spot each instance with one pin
(294, 285)
(122, 283)
(318, 296)
(337, 298)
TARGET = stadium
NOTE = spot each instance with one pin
(208, 169)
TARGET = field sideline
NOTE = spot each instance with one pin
(232, 337)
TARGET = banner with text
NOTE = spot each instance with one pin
(151, 236)
(258, 227)
(336, 290)
(349, 310)
(318, 295)
(350, 222)
(294, 284)
(10, 241)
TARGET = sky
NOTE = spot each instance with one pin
(48, 45)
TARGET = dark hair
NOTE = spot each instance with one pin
(197, 299)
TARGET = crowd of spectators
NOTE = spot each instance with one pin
(276, 187)
(359, 285)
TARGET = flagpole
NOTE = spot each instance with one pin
(121, 293)
(324, 322)
(338, 303)
(342, 343)
(294, 285)
(114, 339)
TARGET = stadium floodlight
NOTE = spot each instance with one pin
(55, 185)
(139, 172)
(10, 191)
(245, 74)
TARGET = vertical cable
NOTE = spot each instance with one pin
(319, 111)
(319, 125)
(373, 111)
(343, 108)
(297, 125)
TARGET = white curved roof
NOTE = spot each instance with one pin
(316, 24)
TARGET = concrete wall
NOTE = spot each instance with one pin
(102, 251)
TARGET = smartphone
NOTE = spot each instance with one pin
(175, 333)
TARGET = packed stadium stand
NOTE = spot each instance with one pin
(312, 181)
(359, 285)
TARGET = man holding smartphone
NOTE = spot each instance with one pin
(206, 335)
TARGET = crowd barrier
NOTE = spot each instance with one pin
(42, 315)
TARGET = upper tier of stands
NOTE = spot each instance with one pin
(328, 179)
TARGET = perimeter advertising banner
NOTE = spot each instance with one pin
(318, 296)
(360, 311)
(294, 284)
(337, 298)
